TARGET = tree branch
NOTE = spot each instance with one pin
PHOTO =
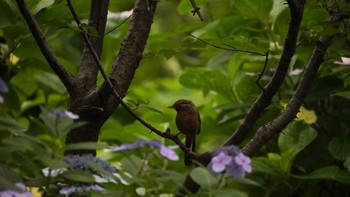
(270, 129)
(196, 10)
(265, 98)
(99, 66)
(57, 67)
(130, 53)
(266, 132)
(88, 71)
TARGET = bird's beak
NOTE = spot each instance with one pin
(171, 106)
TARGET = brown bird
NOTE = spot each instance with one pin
(188, 122)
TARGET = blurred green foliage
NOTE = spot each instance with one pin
(305, 160)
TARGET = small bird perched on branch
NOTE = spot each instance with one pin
(188, 122)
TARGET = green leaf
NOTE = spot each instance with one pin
(85, 146)
(345, 94)
(295, 138)
(184, 7)
(347, 163)
(54, 164)
(8, 185)
(245, 87)
(254, 9)
(203, 177)
(132, 165)
(25, 162)
(229, 193)
(90, 29)
(339, 147)
(43, 4)
(8, 174)
(328, 173)
(272, 165)
(52, 81)
(235, 63)
(207, 79)
(11, 125)
(78, 176)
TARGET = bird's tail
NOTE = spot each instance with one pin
(190, 143)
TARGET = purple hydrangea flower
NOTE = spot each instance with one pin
(3, 89)
(67, 190)
(168, 153)
(234, 170)
(59, 113)
(231, 160)
(11, 193)
(165, 151)
(97, 188)
(244, 162)
(80, 189)
(79, 162)
(3, 86)
(220, 162)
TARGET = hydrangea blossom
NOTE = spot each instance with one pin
(165, 151)
(59, 113)
(244, 162)
(169, 153)
(79, 162)
(220, 162)
(80, 189)
(231, 160)
(11, 193)
(3, 89)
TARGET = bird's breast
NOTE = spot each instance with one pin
(187, 123)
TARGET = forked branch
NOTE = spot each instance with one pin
(97, 61)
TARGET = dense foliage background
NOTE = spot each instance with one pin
(184, 58)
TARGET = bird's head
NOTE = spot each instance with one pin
(182, 105)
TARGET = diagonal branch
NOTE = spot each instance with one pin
(270, 129)
(266, 132)
(265, 98)
(57, 67)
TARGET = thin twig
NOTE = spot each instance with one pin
(262, 71)
(120, 24)
(167, 134)
(231, 48)
(196, 10)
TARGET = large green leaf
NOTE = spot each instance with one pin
(79, 176)
(332, 173)
(133, 164)
(85, 146)
(254, 9)
(7, 173)
(203, 177)
(339, 147)
(11, 125)
(207, 79)
(245, 87)
(296, 137)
